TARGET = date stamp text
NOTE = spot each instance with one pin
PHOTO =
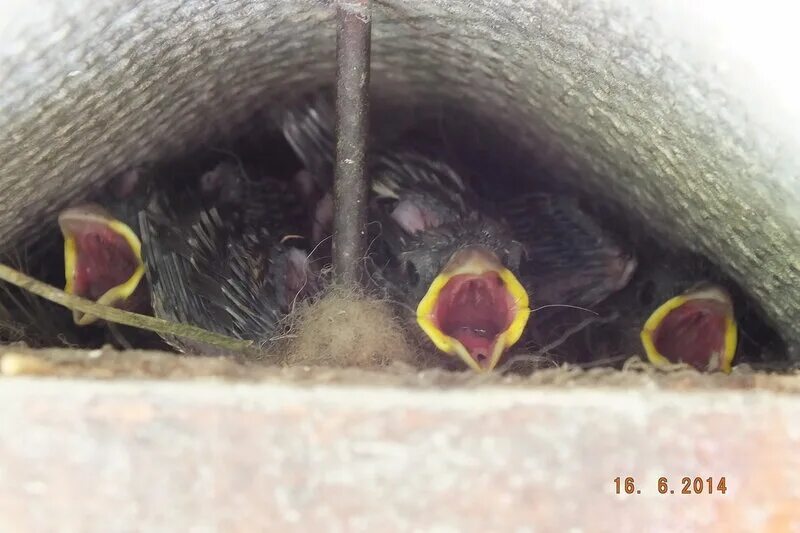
(664, 485)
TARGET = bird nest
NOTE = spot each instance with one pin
(347, 327)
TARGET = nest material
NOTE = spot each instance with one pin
(347, 328)
(18, 361)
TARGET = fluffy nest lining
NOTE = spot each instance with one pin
(345, 328)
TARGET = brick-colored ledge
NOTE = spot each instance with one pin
(83, 455)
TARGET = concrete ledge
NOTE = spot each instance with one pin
(81, 455)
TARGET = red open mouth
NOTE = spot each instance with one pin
(104, 260)
(475, 309)
(693, 333)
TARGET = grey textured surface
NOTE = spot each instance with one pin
(683, 111)
(137, 456)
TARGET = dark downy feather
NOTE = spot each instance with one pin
(309, 126)
(224, 268)
(569, 258)
(427, 192)
(410, 194)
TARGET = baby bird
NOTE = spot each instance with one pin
(465, 265)
(223, 252)
(235, 268)
(103, 254)
(671, 314)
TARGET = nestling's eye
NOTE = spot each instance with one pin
(412, 275)
(514, 254)
(647, 293)
(387, 204)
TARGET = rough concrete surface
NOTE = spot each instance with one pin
(209, 456)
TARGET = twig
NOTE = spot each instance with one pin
(604, 362)
(118, 316)
(539, 354)
(564, 305)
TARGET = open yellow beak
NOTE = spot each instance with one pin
(718, 361)
(71, 221)
(471, 262)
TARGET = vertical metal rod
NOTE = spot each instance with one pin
(352, 123)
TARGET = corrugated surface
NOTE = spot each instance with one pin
(210, 456)
(684, 113)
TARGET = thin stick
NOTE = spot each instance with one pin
(111, 314)
(352, 123)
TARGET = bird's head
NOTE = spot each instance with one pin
(475, 308)
(697, 327)
(102, 257)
